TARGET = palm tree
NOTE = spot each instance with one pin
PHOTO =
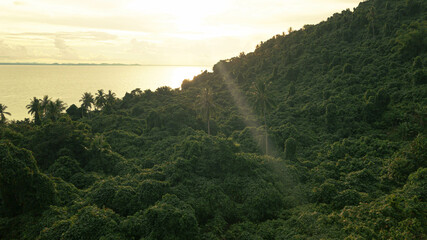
(3, 113)
(100, 99)
(111, 97)
(207, 106)
(371, 18)
(87, 101)
(99, 145)
(263, 102)
(136, 92)
(43, 105)
(54, 109)
(110, 100)
(34, 108)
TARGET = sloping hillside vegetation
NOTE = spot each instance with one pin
(317, 134)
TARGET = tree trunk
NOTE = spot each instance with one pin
(208, 119)
(209, 126)
(266, 134)
(373, 29)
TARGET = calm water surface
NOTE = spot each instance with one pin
(19, 84)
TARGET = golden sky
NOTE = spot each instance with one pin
(158, 32)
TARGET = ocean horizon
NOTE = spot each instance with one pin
(19, 83)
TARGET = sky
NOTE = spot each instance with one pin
(154, 32)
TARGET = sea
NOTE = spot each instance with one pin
(20, 83)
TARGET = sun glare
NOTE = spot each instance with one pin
(178, 74)
(186, 18)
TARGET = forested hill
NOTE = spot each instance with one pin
(317, 134)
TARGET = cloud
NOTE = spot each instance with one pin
(19, 3)
(60, 44)
(143, 46)
(161, 32)
(102, 36)
(182, 51)
(66, 52)
(89, 35)
(276, 15)
(8, 52)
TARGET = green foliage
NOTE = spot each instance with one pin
(35, 108)
(149, 191)
(331, 116)
(55, 231)
(206, 155)
(419, 77)
(89, 223)
(171, 218)
(416, 185)
(262, 202)
(65, 167)
(376, 105)
(290, 148)
(391, 217)
(417, 63)
(14, 137)
(66, 192)
(3, 113)
(126, 143)
(347, 68)
(291, 90)
(48, 140)
(348, 197)
(411, 40)
(246, 141)
(126, 198)
(207, 106)
(23, 187)
(45, 110)
(407, 161)
(350, 94)
(326, 192)
(84, 180)
(382, 99)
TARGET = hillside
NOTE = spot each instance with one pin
(317, 134)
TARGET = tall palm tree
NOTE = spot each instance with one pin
(54, 109)
(110, 100)
(34, 108)
(43, 105)
(100, 99)
(111, 97)
(87, 101)
(371, 17)
(207, 105)
(263, 102)
(3, 113)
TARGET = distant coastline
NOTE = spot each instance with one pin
(73, 64)
(95, 64)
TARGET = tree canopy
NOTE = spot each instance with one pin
(348, 130)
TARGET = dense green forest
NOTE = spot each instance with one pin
(317, 134)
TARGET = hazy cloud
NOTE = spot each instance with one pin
(60, 44)
(8, 52)
(19, 3)
(66, 52)
(97, 36)
(152, 32)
